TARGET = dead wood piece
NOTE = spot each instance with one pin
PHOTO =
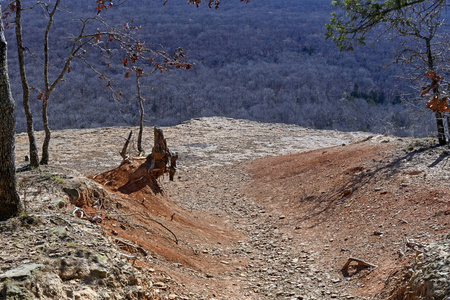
(125, 146)
(360, 262)
(156, 221)
(413, 245)
(173, 165)
(157, 163)
(126, 255)
(78, 212)
(74, 195)
(96, 219)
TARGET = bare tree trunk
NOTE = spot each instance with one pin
(448, 126)
(141, 115)
(45, 145)
(48, 88)
(9, 199)
(439, 120)
(440, 128)
(34, 156)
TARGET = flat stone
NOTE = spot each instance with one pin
(21, 271)
(99, 272)
(100, 259)
(60, 232)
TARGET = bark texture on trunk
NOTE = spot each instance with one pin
(440, 128)
(9, 199)
(439, 119)
(141, 116)
(48, 88)
(45, 145)
(159, 162)
(34, 155)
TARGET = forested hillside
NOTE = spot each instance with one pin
(265, 60)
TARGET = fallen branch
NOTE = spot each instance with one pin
(360, 263)
(126, 255)
(151, 219)
(134, 257)
(157, 222)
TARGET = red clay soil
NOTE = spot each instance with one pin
(156, 230)
(355, 201)
(364, 200)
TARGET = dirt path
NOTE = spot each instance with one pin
(215, 180)
(284, 252)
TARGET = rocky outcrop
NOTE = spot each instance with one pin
(429, 277)
(63, 257)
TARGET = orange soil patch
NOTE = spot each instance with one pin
(353, 201)
(151, 226)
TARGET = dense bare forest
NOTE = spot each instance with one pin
(265, 60)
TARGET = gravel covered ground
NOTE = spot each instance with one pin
(287, 223)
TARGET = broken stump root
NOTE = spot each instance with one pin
(159, 162)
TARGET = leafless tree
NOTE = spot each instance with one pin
(9, 199)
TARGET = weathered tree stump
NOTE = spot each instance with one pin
(159, 162)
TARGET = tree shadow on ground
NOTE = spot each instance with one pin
(327, 203)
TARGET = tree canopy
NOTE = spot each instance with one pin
(413, 23)
(354, 19)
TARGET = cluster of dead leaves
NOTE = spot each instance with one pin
(436, 104)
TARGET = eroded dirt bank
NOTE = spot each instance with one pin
(264, 226)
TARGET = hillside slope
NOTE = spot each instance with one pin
(250, 224)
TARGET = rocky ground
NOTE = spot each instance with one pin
(248, 223)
